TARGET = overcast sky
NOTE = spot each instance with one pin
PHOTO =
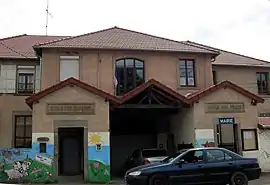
(241, 26)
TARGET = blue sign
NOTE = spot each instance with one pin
(226, 121)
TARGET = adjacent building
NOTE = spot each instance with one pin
(78, 106)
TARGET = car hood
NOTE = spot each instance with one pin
(147, 166)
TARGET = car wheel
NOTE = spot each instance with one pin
(239, 178)
(158, 180)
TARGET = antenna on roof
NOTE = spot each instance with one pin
(47, 16)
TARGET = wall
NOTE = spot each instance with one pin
(10, 103)
(182, 126)
(98, 169)
(245, 120)
(28, 165)
(97, 68)
(244, 77)
(10, 106)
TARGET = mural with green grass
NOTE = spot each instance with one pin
(26, 165)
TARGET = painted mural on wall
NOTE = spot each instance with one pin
(98, 157)
(27, 165)
(204, 138)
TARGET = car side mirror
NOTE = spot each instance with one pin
(180, 162)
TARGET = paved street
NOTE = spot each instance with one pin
(264, 180)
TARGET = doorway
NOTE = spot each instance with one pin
(227, 136)
(71, 151)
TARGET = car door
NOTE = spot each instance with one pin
(189, 169)
(219, 165)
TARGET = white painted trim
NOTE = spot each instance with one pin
(27, 67)
(69, 57)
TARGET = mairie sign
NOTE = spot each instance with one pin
(226, 121)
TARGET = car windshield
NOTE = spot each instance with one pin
(170, 158)
(154, 153)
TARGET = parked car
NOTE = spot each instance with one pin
(197, 166)
(145, 156)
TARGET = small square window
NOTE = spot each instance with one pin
(42, 147)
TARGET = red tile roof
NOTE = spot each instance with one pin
(155, 83)
(123, 39)
(225, 84)
(71, 81)
(188, 100)
(233, 59)
(21, 46)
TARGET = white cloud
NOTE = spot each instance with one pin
(235, 25)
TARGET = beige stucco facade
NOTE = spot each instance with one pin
(97, 68)
(244, 76)
(98, 122)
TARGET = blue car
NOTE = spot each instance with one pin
(197, 166)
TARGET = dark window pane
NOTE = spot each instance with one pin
(190, 63)
(262, 82)
(183, 81)
(120, 63)
(28, 131)
(139, 74)
(20, 131)
(138, 64)
(129, 63)
(190, 72)
(19, 143)
(182, 63)
(23, 127)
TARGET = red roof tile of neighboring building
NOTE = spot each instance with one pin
(230, 58)
(71, 81)
(123, 39)
(21, 46)
(225, 84)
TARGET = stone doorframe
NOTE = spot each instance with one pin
(69, 124)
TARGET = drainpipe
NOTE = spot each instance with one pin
(98, 69)
(40, 73)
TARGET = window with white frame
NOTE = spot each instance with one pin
(69, 67)
(26, 79)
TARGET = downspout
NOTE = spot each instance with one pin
(40, 72)
(98, 70)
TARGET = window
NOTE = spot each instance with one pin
(25, 79)
(262, 82)
(187, 73)
(69, 67)
(23, 131)
(217, 156)
(129, 74)
(193, 156)
(214, 77)
(249, 139)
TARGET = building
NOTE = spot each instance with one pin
(108, 92)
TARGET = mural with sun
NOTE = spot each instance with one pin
(98, 157)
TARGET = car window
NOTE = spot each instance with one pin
(217, 156)
(172, 157)
(193, 156)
